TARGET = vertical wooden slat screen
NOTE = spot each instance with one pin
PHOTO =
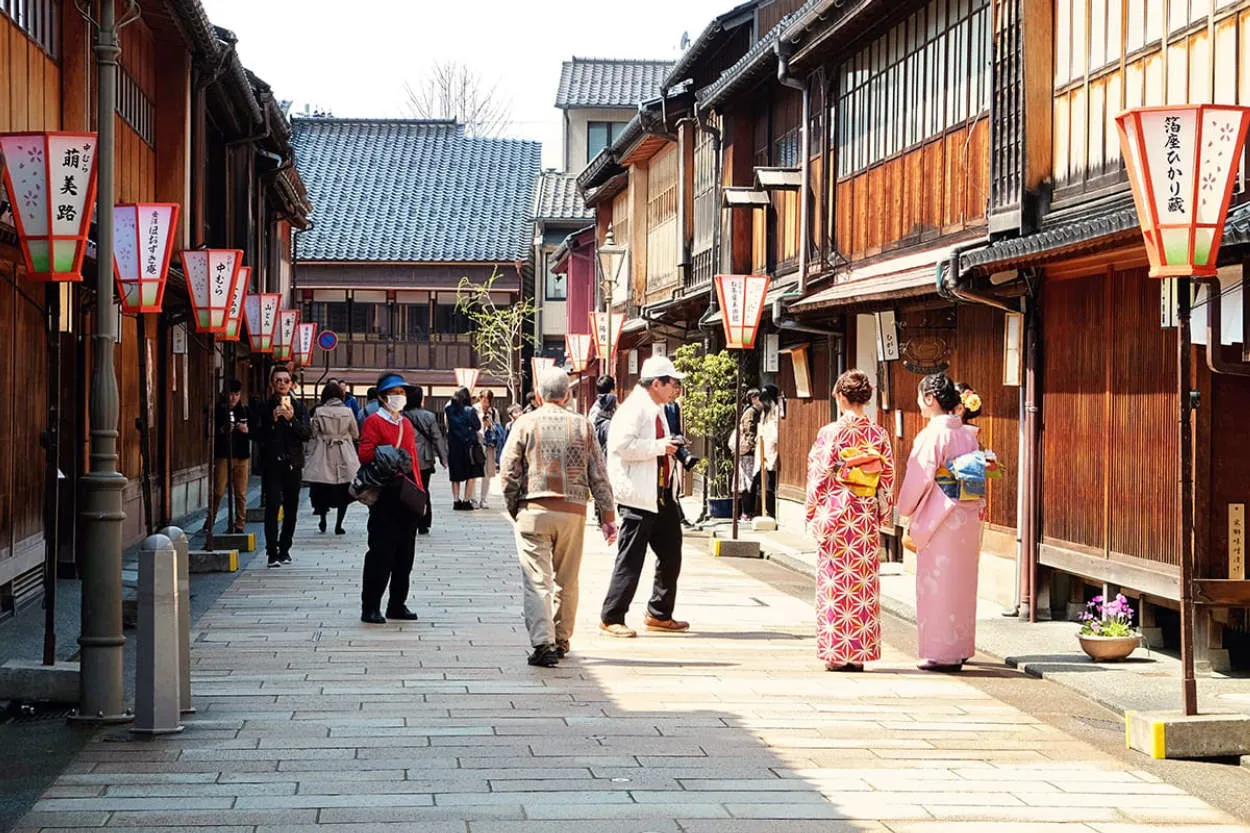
(804, 419)
(1109, 440)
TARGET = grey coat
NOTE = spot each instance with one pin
(426, 424)
(331, 453)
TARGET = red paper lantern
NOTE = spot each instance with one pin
(1182, 162)
(305, 340)
(51, 180)
(234, 315)
(466, 377)
(579, 346)
(607, 327)
(143, 236)
(284, 335)
(261, 314)
(540, 363)
(211, 277)
(741, 306)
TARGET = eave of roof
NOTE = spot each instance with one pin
(701, 44)
(749, 67)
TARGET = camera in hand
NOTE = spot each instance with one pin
(683, 455)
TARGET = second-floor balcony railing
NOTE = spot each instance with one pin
(442, 353)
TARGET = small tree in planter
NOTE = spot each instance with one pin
(709, 405)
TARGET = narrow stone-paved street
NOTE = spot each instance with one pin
(306, 717)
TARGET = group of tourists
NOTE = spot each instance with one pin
(626, 460)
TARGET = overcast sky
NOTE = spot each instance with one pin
(352, 57)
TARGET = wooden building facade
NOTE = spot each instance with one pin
(192, 127)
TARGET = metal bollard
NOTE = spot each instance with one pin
(156, 684)
(182, 545)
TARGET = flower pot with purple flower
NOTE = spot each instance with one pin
(1107, 633)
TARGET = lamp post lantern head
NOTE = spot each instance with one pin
(261, 314)
(741, 300)
(212, 275)
(285, 334)
(51, 180)
(579, 346)
(1182, 161)
(611, 262)
(234, 314)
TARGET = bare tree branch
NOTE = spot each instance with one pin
(499, 330)
(452, 90)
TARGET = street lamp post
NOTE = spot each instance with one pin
(1182, 162)
(611, 262)
(101, 690)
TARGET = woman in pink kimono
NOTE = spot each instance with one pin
(844, 512)
(946, 532)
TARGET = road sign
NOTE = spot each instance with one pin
(327, 340)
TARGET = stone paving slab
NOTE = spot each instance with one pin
(310, 721)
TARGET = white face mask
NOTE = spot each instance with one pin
(396, 402)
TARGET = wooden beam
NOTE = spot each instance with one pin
(1155, 579)
(1221, 592)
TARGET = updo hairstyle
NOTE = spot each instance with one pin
(855, 386)
(968, 396)
(942, 389)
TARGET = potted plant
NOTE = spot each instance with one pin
(710, 409)
(1107, 633)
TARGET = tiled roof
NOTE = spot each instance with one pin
(559, 199)
(414, 191)
(603, 82)
(760, 56)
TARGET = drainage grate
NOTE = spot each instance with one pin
(18, 715)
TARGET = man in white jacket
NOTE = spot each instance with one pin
(642, 469)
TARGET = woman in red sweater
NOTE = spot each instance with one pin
(392, 528)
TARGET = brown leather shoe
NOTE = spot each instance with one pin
(619, 631)
(669, 625)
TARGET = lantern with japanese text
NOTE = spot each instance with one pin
(234, 315)
(261, 314)
(284, 335)
(1182, 161)
(741, 306)
(305, 340)
(211, 277)
(607, 327)
(51, 180)
(466, 377)
(144, 235)
(579, 346)
(540, 363)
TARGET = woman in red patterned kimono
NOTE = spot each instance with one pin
(844, 512)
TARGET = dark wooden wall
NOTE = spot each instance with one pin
(939, 188)
(804, 419)
(1109, 439)
(30, 83)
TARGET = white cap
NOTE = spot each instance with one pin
(657, 366)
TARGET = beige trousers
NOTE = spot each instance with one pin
(549, 545)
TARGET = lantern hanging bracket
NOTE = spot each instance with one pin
(132, 13)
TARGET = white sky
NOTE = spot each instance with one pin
(352, 57)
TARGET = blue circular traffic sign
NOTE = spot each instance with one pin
(327, 340)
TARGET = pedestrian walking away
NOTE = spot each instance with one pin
(850, 486)
(514, 413)
(370, 407)
(392, 518)
(331, 463)
(603, 386)
(551, 468)
(466, 458)
(640, 468)
(231, 455)
(945, 529)
(488, 436)
(431, 448)
(604, 410)
(281, 429)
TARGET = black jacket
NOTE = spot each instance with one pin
(229, 442)
(281, 442)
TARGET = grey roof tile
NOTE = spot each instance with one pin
(414, 191)
(606, 82)
(559, 199)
